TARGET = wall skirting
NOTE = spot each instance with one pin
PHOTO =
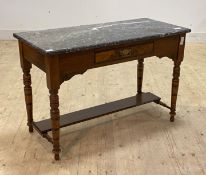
(8, 34)
(191, 37)
(196, 37)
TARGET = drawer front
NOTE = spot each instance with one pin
(126, 52)
(105, 56)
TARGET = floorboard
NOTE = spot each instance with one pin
(138, 141)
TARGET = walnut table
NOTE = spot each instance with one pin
(64, 52)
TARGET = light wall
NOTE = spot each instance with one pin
(22, 15)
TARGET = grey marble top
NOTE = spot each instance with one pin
(78, 38)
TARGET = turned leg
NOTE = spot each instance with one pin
(53, 84)
(140, 70)
(175, 85)
(176, 75)
(28, 93)
(54, 112)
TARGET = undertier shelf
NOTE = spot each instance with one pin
(87, 114)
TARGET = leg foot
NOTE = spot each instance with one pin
(31, 129)
(56, 157)
(172, 117)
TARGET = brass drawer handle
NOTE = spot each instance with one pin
(125, 53)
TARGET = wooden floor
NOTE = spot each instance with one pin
(138, 141)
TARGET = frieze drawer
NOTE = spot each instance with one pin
(121, 53)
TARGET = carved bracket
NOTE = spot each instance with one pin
(68, 76)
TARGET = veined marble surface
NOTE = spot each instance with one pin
(78, 38)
